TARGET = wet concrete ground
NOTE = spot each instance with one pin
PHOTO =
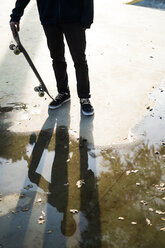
(127, 182)
(119, 202)
(70, 181)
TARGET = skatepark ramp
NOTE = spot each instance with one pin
(157, 4)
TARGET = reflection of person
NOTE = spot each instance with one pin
(69, 18)
(57, 188)
(89, 199)
(58, 191)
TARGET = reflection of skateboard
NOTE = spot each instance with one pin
(17, 50)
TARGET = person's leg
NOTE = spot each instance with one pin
(75, 37)
(56, 46)
(76, 40)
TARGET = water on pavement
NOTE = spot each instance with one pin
(58, 190)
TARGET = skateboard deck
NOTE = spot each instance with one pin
(17, 49)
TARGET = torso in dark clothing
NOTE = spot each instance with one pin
(59, 11)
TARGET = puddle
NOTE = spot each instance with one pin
(119, 201)
(151, 127)
(13, 106)
(156, 4)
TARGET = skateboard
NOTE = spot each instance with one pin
(17, 49)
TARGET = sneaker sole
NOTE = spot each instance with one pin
(87, 114)
(55, 107)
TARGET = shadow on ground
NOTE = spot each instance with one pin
(68, 163)
(55, 189)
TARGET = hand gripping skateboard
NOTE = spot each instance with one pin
(17, 49)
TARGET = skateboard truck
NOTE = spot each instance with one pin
(17, 49)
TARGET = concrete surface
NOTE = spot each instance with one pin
(125, 53)
(43, 154)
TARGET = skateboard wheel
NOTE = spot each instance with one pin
(41, 93)
(17, 51)
(36, 89)
(12, 47)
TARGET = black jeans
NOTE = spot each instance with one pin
(76, 40)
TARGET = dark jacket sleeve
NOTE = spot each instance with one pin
(18, 11)
(87, 13)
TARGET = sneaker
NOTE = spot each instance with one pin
(86, 107)
(60, 99)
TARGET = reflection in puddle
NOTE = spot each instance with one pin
(119, 204)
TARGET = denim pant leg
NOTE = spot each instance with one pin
(56, 46)
(76, 40)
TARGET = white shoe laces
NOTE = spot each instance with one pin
(84, 101)
(59, 96)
